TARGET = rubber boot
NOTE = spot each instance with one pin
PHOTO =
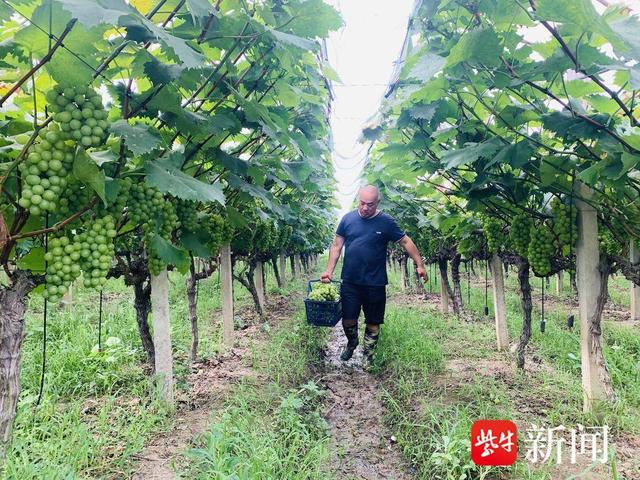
(352, 342)
(370, 342)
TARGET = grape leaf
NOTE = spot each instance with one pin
(479, 46)
(200, 9)
(86, 170)
(169, 253)
(166, 177)
(140, 29)
(197, 243)
(97, 12)
(628, 29)
(34, 260)
(162, 73)
(426, 66)
(470, 153)
(578, 13)
(289, 39)
(138, 138)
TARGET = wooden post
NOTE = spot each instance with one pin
(294, 273)
(559, 279)
(444, 296)
(298, 263)
(283, 269)
(258, 280)
(403, 274)
(588, 281)
(502, 335)
(226, 292)
(634, 256)
(162, 335)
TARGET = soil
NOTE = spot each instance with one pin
(530, 407)
(209, 382)
(361, 447)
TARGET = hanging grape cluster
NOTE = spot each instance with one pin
(284, 233)
(564, 228)
(188, 214)
(62, 266)
(541, 248)
(520, 234)
(89, 252)
(157, 215)
(494, 233)
(219, 232)
(265, 238)
(45, 172)
(74, 198)
(608, 243)
(80, 113)
(117, 207)
(97, 250)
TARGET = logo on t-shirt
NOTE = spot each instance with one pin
(379, 233)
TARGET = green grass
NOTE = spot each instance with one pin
(432, 421)
(99, 408)
(271, 429)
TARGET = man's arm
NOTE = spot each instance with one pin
(413, 252)
(334, 254)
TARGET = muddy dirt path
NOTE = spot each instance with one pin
(361, 447)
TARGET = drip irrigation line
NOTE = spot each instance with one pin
(44, 318)
(100, 323)
(486, 287)
(466, 269)
(542, 321)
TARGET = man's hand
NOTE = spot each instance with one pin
(326, 277)
(422, 273)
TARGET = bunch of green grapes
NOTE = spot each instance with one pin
(265, 237)
(324, 292)
(608, 242)
(156, 264)
(63, 266)
(157, 215)
(74, 198)
(97, 250)
(218, 232)
(541, 248)
(80, 113)
(117, 207)
(166, 222)
(188, 214)
(494, 233)
(45, 171)
(242, 242)
(144, 203)
(520, 234)
(564, 228)
(284, 237)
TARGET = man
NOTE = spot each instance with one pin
(365, 232)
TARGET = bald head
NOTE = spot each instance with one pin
(368, 199)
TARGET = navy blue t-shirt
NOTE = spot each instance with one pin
(365, 247)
